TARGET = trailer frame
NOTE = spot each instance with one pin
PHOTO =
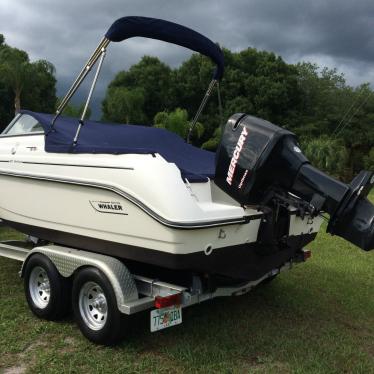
(134, 292)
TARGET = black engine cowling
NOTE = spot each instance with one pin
(256, 157)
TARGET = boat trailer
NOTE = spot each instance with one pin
(132, 293)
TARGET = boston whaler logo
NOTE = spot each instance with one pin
(114, 207)
(236, 155)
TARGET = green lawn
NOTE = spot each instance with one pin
(317, 318)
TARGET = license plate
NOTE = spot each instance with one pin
(165, 317)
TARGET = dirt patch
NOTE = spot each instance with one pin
(70, 345)
(15, 370)
(31, 348)
(21, 367)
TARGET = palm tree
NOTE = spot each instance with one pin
(16, 71)
(327, 154)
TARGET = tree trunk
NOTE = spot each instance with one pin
(17, 101)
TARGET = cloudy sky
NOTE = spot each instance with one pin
(333, 33)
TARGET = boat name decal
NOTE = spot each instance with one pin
(236, 155)
(108, 207)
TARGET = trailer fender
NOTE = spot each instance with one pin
(69, 260)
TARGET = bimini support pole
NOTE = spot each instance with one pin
(201, 107)
(82, 75)
(103, 52)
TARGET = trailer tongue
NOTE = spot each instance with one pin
(260, 164)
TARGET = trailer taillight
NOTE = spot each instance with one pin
(165, 301)
(307, 254)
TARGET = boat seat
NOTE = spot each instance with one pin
(195, 164)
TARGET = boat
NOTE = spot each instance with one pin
(149, 198)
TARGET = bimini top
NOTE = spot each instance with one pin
(194, 163)
(154, 28)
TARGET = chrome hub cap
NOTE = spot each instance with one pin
(93, 306)
(39, 287)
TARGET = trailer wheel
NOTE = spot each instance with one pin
(47, 292)
(95, 308)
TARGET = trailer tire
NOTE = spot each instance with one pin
(95, 308)
(47, 292)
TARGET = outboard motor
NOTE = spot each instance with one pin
(257, 160)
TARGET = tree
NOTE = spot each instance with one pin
(6, 94)
(76, 111)
(15, 71)
(6, 100)
(369, 160)
(40, 92)
(177, 122)
(311, 101)
(356, 128)
(213, 143)
(255, 82)
(330, 107)
(24, 83)
(267, 82)
(124, 105)
(324, 97)
(326, 154)
(152, 78)
(190, 82)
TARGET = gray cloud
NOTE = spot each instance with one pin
(336, 33)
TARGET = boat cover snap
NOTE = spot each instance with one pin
(195, 164)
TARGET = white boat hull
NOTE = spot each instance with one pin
(102, 203)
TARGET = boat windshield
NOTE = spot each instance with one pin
(23, 124)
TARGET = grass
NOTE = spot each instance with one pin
(317, 318)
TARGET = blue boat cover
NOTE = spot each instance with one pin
(154, 28)
(194, 163)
